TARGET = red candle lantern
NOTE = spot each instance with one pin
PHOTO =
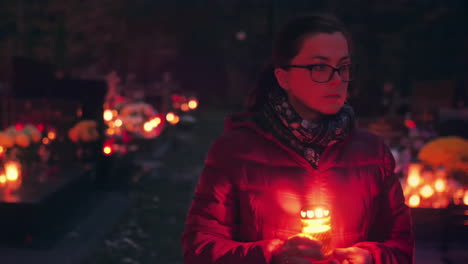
(316, 224)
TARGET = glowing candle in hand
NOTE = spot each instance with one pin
(316, 225)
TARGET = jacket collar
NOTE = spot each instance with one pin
(245, 120)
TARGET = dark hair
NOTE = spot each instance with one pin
(287, 45)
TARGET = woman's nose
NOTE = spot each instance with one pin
(336, 79)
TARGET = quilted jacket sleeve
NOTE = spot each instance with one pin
(392, 228)
(213, 221)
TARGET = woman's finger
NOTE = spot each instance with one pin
(343, 253)
(303, 240)
(314, 252)
(297, 260)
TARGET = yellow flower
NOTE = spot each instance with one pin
(73, 134)
(85, 131)
(6, 140)
(22, 140)
(36, 137)
(33, 133)
(11, 131)
(29, 130)
(450, 152)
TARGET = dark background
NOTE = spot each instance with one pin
(405, 42)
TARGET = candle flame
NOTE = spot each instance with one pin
(107, 150)
(12, 171)
(465, 198)
(184, 107)
(172, 118)
(155, 122)
(118, 123)
(108, 115)
(313, 226)
(193, 104)
(440, 185)
(414, 200)
(319, 212)
(110, 131)
(426, 191)
(51, 135)
(414, 179)
(148, 127)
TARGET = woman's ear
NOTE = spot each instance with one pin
(282, 77)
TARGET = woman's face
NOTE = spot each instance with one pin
(310, 98)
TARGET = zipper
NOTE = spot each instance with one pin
(315, 173)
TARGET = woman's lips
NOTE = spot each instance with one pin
(333, 96)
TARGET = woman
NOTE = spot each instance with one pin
(296, 147)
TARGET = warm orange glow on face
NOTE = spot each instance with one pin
(12, 170)
(426, 191)
(51, 135)
(440, 185)
(45, 141)
(118, 123)
(2, 150)
(107, 150)
(108, 115)
(193, 104)
(465, 198)
(184, 107)
(414, 200)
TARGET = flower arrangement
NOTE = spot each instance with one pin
(84, 131)
(22, 138)
(135, 115)
(6, 140)
(449, 152)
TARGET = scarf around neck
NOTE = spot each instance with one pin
(307, 138)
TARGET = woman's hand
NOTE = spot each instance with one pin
(353, 255)
(298, 250)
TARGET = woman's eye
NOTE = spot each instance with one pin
(321, 67)
(344, 67)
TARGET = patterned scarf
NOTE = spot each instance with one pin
(307, 138)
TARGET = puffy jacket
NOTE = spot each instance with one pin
(253, 187)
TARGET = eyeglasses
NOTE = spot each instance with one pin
(323, 73)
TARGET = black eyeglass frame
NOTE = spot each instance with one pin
(310, 67)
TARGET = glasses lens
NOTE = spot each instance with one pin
(346, 72)
(321, 73)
